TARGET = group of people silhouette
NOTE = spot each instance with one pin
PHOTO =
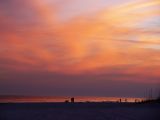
(71, 100)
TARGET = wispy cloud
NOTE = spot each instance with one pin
(34, 38)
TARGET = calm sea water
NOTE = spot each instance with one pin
(18, 99)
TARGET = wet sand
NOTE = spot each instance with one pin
(79, 111)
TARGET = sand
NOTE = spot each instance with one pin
(79, 111)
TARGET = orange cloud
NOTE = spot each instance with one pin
(107, 38)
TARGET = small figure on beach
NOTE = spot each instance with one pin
(72, 100)
(126, 100)
(120, 100)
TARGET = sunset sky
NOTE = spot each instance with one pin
(79, 47)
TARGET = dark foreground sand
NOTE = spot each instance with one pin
(79, 111)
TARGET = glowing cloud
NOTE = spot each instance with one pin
(95, 42)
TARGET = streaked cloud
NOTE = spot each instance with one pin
(33, 38)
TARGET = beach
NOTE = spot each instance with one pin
(80, 111)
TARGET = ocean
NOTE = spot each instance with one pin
(21, 99)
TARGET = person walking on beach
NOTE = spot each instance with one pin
(72, 100)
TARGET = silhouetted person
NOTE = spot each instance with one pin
(72, 99)
(120, 100)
